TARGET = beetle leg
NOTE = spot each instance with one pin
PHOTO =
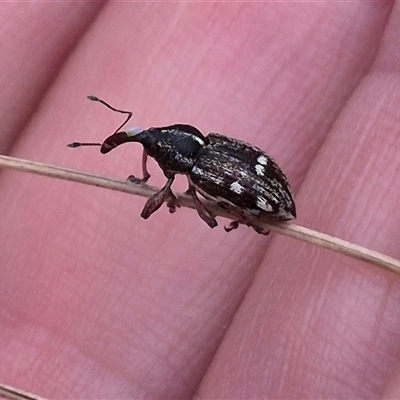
(232, 210)
(133, 179)
(157, 200)
(204, 214)
(170, 198)
(146, 175)
(172, 202)
(233, 225)
(259, 229)
(243, 218)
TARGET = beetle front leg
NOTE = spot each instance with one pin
(204, 214)
(146, 175)
(157, 200)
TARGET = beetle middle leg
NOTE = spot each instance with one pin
(157, 200)
(204, 214)
(231, 210)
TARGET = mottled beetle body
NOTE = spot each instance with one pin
(236, 174)
(239, 177)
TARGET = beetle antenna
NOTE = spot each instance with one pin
(79, 144)
(130, 113)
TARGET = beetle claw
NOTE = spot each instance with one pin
(172, 202)
(233, 225)
(137, 181)
(260, 229)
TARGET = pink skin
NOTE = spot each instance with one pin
(99, 303)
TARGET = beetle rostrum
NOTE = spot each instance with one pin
(240, 178)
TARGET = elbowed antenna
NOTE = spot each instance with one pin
(95, 98)
(130, 113)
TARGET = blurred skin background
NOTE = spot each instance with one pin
(98, 303)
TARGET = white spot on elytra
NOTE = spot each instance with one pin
(262, 160)
(198, 140)
(197, 170)
(262, 203)
(259, 170)
(236, 187)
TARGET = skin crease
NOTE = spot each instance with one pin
(98, 303)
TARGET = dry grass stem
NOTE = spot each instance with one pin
(288, 229)
(11, 393)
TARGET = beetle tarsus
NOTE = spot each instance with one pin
(259, 229)
(233, 225)
(172, 202)
(137, 181)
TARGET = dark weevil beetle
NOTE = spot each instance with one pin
(240, 178)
